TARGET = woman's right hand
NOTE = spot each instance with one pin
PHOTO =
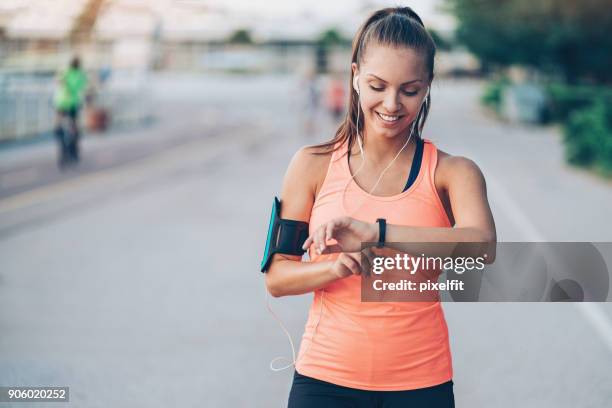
(347, 264)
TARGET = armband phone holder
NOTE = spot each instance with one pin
(284, 236)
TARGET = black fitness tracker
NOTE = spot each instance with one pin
(382, 232)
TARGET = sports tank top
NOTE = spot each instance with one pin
(384, 346)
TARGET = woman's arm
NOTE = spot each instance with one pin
(467, 193)
(287, 274)
(474, 222)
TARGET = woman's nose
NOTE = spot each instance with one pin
(391, 103)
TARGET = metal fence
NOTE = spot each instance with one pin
(26, 103)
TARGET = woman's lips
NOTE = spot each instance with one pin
(388, 120)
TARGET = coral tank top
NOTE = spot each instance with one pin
(384, 346)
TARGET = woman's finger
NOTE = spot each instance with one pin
(307, 243)
(372, 254)
(313, 241)
(329, 230)
(365, 264)
(319, 239)
(337, 224)
(342, 222)
(332, 249)
(367, 259)
(351, 263)
(356, 256)
(323, 237)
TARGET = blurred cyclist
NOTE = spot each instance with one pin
(67, 102)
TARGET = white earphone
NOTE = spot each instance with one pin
(359, 141)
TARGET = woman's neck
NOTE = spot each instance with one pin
(381, 150)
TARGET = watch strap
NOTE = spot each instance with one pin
(382, 232)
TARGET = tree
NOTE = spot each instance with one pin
(442, 43)
(332, 37)
(241, 36)
(566, 37)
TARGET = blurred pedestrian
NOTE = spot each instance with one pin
(67, 100)
(311, 103)
(335, 98)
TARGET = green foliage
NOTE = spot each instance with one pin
(442, 44)
(332, 37)
(562, 37)
(588, 137)
(241, 36)
(493, 93)
(565, 99)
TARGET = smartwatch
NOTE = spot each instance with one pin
(382, 232)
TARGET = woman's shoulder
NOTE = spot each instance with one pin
(450, 167)
(312, 158)
(309, 165)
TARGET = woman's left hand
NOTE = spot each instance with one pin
(348, 232)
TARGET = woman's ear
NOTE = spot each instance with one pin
(355, 70)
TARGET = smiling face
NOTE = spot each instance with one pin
(393, 83)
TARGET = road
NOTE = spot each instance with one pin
(133, 279)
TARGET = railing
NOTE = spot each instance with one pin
(26, 104)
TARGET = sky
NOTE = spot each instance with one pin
(266, 19)
(308, 18)
(337, 10)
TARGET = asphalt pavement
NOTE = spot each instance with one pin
(133, 278)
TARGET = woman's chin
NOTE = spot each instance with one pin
(390, 133)
(387, 128)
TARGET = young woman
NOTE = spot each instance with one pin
(368, 354)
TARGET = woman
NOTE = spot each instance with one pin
(363, 354)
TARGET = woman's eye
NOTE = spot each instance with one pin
(380, 89)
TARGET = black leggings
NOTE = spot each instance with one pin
(307, 392)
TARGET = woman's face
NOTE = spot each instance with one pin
(393, 83)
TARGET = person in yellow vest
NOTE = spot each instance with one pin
(67, 101)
